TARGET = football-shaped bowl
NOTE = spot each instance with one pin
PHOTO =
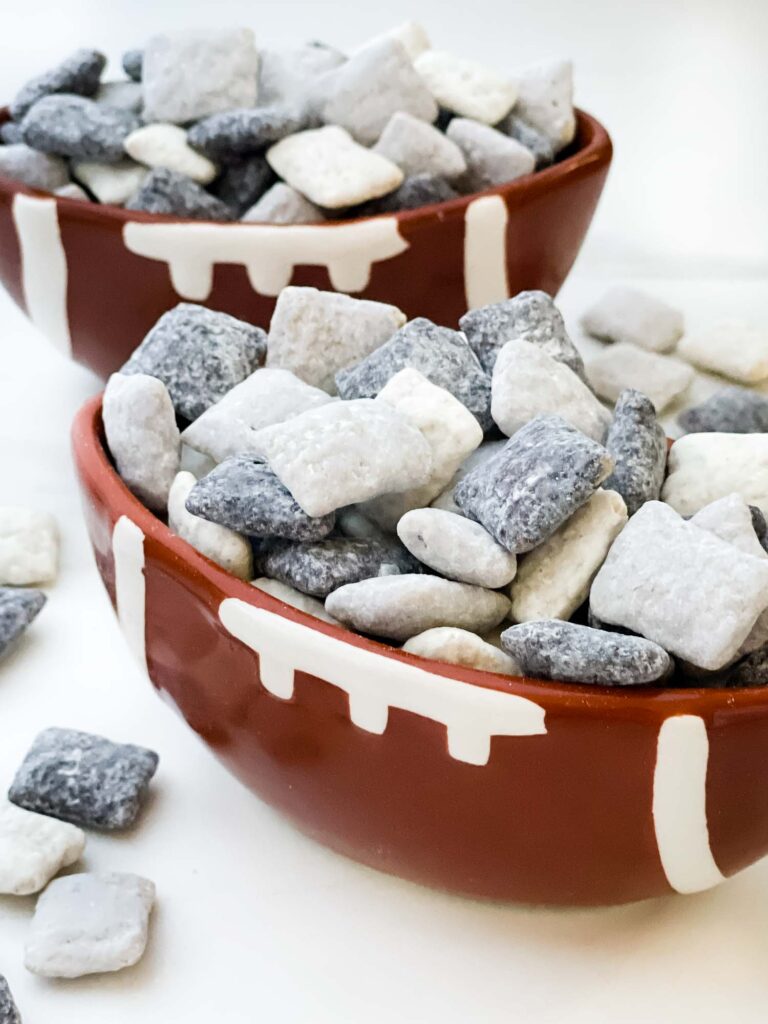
(96, 278)
(486, 785)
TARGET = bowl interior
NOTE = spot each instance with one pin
(636, 702)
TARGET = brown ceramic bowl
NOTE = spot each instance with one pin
(482, 784)
(96, 278)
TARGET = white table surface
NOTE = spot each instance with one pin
(254, 922)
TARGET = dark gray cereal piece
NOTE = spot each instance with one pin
(542, 475)
(84, 779)
(79, 128)
(638, 446)
(238, 133)
(174, 194)
(79, 75)
(132, 64)
(199, 354)
(529, 316)
(240, 184)
(416, 191)
(17, 610)
(440, 354)
(538, 143)
(760, 524)
(244, 494)
(731, 410)
(9, 1013)
(319, 567)
(10, 133)
(552, 649)
(750, 671)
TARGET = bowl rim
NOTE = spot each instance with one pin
(594, 148)
(96, 471)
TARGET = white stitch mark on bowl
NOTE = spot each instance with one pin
(130, 585)
(43, 267)
(680, 805)
(269, 253)
(375, 683)
(485, 251)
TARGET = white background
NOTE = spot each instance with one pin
(256, 923)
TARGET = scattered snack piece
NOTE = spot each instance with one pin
(165, 145)
(546, 471)
(317, 568)
(84, 779)
(140, 425)
(545, 101)
(633, 316)
(734, 349)
(704, 467)
(314, 334)
(282, 204)
(89, 924)
(199, 355)
(465, 87)
(224, 547)
(34, 848)
(267, 396)
(78, 75)
(243, 132)
(456, 547)
(132, 62)
(168, 192)
(417, 191)
(445, 499)
(448, 426)
(376, 82)
(553, 580)
(345, 452)
(731, 410)
(529, 316)
(399, 607)
(460, 647)
(731, 519)
(29, 546)
(331, 169)
(293, 77)
(17, 610)
(492, 157)
(243, 494)
(441, 355)
(110, 183)
(417, 147)
(411, 34)
(242, 183)
(638, 446)
(550, 649)
(123, 95)
(37, 170)
(659, 557)
(76, 127)
(9, 1013)
(539, 144)
(622, 366)
(295, 598)
(526, 382)
(187, 75)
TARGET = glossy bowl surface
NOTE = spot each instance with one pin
(481, 784)
(96, 278)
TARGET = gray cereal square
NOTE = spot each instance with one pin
(443, 356)
(84, 779)
(199, 354)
